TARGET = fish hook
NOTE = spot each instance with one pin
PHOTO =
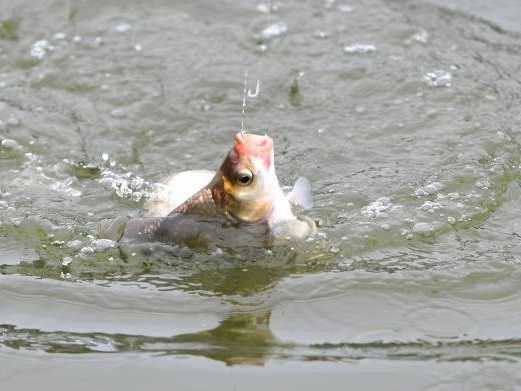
(257, 89)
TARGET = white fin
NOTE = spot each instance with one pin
(301, 194)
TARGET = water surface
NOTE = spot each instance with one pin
(404, 116)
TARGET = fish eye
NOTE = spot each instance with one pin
(245, 177)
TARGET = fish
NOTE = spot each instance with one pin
(243, 195)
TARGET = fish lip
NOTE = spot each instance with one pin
(253, 140)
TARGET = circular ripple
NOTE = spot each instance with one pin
(441, 322)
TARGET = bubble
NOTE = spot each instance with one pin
(87, 251)
(334, 250)
(59, 36)
(421, 36)
(429, 189)
(438, 78)
(74, 244)
(422, 228)
(328, 3)
(274, 30)
(377, 208)
(65, 188)
(118, 113)
(40, 48)
(359, 48)
(321, 34)
(345, 8)
(10, 144)
(267, 8)
(127, 186)
(122, 27)
(13, 121)
(430, 206)
(103, 244)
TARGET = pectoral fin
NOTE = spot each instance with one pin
(301, 194)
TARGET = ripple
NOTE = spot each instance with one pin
(441, 322)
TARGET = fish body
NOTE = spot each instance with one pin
(244, 194)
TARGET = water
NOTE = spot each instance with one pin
(412, 147)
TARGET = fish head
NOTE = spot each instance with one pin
(247, 180)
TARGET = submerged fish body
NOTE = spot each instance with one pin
(243, 197)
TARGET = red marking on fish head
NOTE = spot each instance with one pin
(250, 146)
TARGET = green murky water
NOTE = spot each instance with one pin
(403, 115)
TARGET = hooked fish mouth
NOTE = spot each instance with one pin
(251, 140)
(254, 146)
